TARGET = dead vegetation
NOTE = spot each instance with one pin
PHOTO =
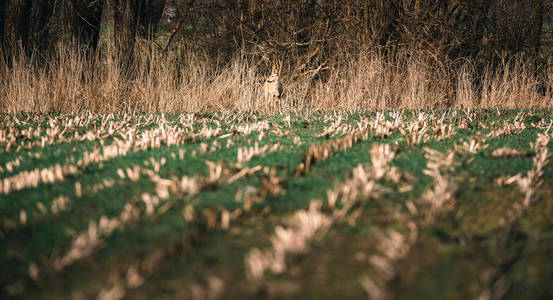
(74, 81)
(382, 190)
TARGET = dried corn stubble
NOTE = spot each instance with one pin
(306, 225)
(442, 196)
(323, 151)
(476, 144)
(506, 152)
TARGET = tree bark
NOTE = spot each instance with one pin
(88, 15)
(150, 16)
(16, 24)
(41, 13)
(126, 14)
(106, 39)
(538, 8)
(132, 19)
(2, 19)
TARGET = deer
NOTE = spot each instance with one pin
(272, 89)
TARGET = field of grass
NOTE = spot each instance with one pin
(397, 204)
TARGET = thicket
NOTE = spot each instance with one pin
(190, 55)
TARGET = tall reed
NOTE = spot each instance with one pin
(71, 79)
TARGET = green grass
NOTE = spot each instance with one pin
(449, 258)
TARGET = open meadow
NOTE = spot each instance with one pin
(400, 204)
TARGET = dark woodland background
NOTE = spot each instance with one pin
(315, 32)
(464, 48)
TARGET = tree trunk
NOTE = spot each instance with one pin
(150, 16)
(17, 22)
(538, 8)
(478, 24)
(41, 13)
(88, 15)
(132, 19)
(2, 19)
(126, 13)
(106, 39)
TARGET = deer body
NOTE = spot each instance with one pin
(273, 90)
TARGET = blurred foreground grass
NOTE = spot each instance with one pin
(171, 206)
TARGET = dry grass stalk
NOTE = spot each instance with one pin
(393, 245)
(303, 227)
(308, 224)
(442, 196)
(508, 128)
(532, 180)
(33, 178)
(506, 152)
(190, 82)
(363, 184)
(10, 166)
(475, 144)
(87, 241)
(246, 153)
(415, 133)
(60, 204)
(441, 130)
(371, 288)
(383, 128)
(128, 139)
(323, 151)
(381, 156)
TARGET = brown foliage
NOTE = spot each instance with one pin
(212, 55)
